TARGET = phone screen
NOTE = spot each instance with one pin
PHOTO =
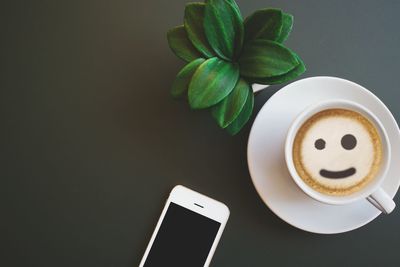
(183, 240)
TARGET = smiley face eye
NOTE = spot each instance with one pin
(320, 144)
(349, 142)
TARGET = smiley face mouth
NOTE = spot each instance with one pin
(337, 174)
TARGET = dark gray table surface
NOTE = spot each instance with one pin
(92, 143)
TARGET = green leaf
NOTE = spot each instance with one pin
(287, 24)
(212, 82)
(224, 28)
(244, 115)
(229, 108)
(180, 44)
(234, 4)
(264, 24)
(183, 78)
(265, 58)
(194, 25)
(291, 75)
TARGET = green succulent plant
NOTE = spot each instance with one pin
(226, 54)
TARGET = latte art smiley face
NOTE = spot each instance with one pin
(348, 142)
(337, 151)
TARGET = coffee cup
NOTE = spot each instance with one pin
(338, 152)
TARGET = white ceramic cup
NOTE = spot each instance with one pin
(373, 191)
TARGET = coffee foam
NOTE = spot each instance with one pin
(330, 126)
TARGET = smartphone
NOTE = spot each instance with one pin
(187, 232)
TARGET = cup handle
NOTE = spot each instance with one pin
(381, 200)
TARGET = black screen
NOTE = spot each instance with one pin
(183, 240)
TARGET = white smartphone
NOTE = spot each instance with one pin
(187, 232)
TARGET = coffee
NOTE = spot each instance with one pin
(337, 152)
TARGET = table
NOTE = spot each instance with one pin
(92, 142)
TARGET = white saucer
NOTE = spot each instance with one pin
(265, 155)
